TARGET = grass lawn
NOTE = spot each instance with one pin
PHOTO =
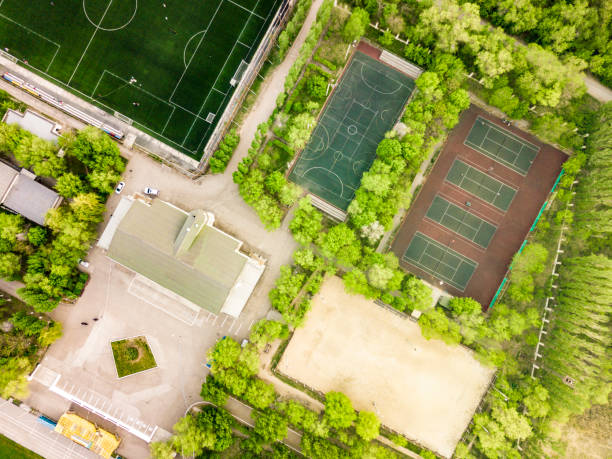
(168, 66)
(12, 450)
(132, 356)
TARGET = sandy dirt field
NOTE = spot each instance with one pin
(424, 389)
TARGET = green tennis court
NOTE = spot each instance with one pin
(481, 185)
(460, 221)
(367, 102)
(501, 145)
(440, 261)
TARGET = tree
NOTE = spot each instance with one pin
(13, 381)
(218, 422)
(260, 394)
(189, 439)
(289, 193)
(464, 306)
(103, 180)
(307, 222)
(266, 331)
(339, 412)
(95, 150)
(10, 226)
(447, 24)
(379, 276)
(37, 235)
(213, 391)
(317, 86)
(27, 324)
(341, 242)
(50, 334)
(39, 155)
(299, 130)
(87, 208)
(10, 266)
(435, 324)
(69, 185)
(417, 293)
(225, 354)
(367, 425)
(162, 450)
(356, 25)
(514, 425)
(270, 425)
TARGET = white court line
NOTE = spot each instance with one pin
(220, 92)
(90, 40)
(246, 9)
(216, 79)
(168, 120)
(35, 33)
(196, 50)
(52, 59)
(240, 43)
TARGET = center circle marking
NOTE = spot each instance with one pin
(352, 129)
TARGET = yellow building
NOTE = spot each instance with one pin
(86, 434)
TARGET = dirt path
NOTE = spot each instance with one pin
(597, 90)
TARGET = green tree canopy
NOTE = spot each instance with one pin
(339, 412)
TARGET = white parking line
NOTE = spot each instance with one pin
(223, 321)
(238, 329)
(231, 326)
(251, 324)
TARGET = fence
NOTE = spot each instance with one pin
(245, 81)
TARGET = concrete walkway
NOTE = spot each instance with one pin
(597, 90)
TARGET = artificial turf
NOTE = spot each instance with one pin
(11, 450)
(182, 54)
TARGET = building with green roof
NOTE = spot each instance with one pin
(182, 252)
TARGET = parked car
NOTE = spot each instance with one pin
(151, 191)
(120, 186)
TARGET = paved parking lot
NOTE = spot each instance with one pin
(83, 355)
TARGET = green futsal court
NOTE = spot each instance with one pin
(440, 261)
(167, 65)
(367, 102)
(460, 221)
(481, 185)
(501, 145)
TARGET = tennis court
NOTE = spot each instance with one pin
(501, 145)
(481, 185)
(440, 261)
(367, 102)
(460, 221)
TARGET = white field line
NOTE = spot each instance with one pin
(90, 40)
(195, 51)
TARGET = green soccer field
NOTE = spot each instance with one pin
(166, 65)
(367, 102)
